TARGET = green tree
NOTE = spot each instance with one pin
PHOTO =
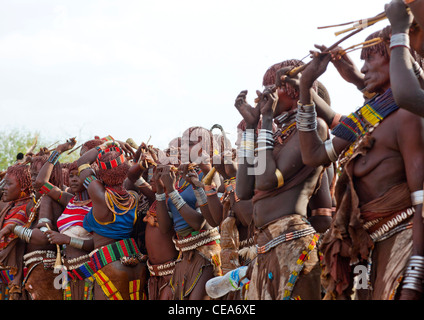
(16, 141)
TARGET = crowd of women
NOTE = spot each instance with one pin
(293, 211)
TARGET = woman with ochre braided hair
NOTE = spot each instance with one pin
(115, 262)
(196, 240)
(16, 196)
(77, 242)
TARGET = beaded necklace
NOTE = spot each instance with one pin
(124, 202)
(34, 210)
(361, 123)
(288, 126)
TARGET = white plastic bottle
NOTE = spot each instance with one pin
(219, 286)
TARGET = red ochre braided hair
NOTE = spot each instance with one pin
(56, 178)
(90, 144)
(23, 176)
(113, 176)
(270, 77)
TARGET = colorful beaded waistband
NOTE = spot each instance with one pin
(285, 237)
(105, 255)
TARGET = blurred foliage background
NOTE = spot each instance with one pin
(17, 141)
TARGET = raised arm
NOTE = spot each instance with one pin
(245, 172)
(315, 152)
(404, 71)
(43, 177)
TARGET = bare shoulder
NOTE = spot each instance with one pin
(407, 120)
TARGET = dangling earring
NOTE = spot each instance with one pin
(23, 194)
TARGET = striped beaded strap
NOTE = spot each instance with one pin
(113, 163)
(105, 255)
(46, 188)
(54, 157)
(283, 238)
(299, 266)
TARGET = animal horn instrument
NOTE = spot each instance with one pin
(132, 143)
(58, 263)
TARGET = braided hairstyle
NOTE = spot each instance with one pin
(114, 176)
(56, 178)
(270, 77)
(23, 176)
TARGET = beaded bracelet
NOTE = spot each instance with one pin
(108, 138)
(88, 180)
(54, 157)
(210, 190)
(83, 167)
(399, 40)
(46, 188)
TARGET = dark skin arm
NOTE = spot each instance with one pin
(46, 171)
(312, 146)
(324, 111)
(96, 190)
(245, 178)
(227, 171)
(405, 85)
(134, 173)
(59, 238)
(165, 221)
(190, 215)
(411, 148)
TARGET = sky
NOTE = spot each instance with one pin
(151, 69)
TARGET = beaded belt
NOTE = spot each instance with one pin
(159, 270)
(195, 241)
(124, 250)
(389, 227)
(283, 238)
(46, 256)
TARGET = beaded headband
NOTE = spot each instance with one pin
(113, 163)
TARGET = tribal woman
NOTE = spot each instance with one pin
(380, 185)
(115, 262)
(76, 242)
(40, 255)
(16, 197)
(161, 251)
(182, 205)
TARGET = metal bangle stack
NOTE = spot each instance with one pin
(414, 275)
(265, 140)
(247, 145)
(176, 199)
(23, 233)
(200, 196)
(306, 118)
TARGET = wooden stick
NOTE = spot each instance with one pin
(294, 71)
(76, 148)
